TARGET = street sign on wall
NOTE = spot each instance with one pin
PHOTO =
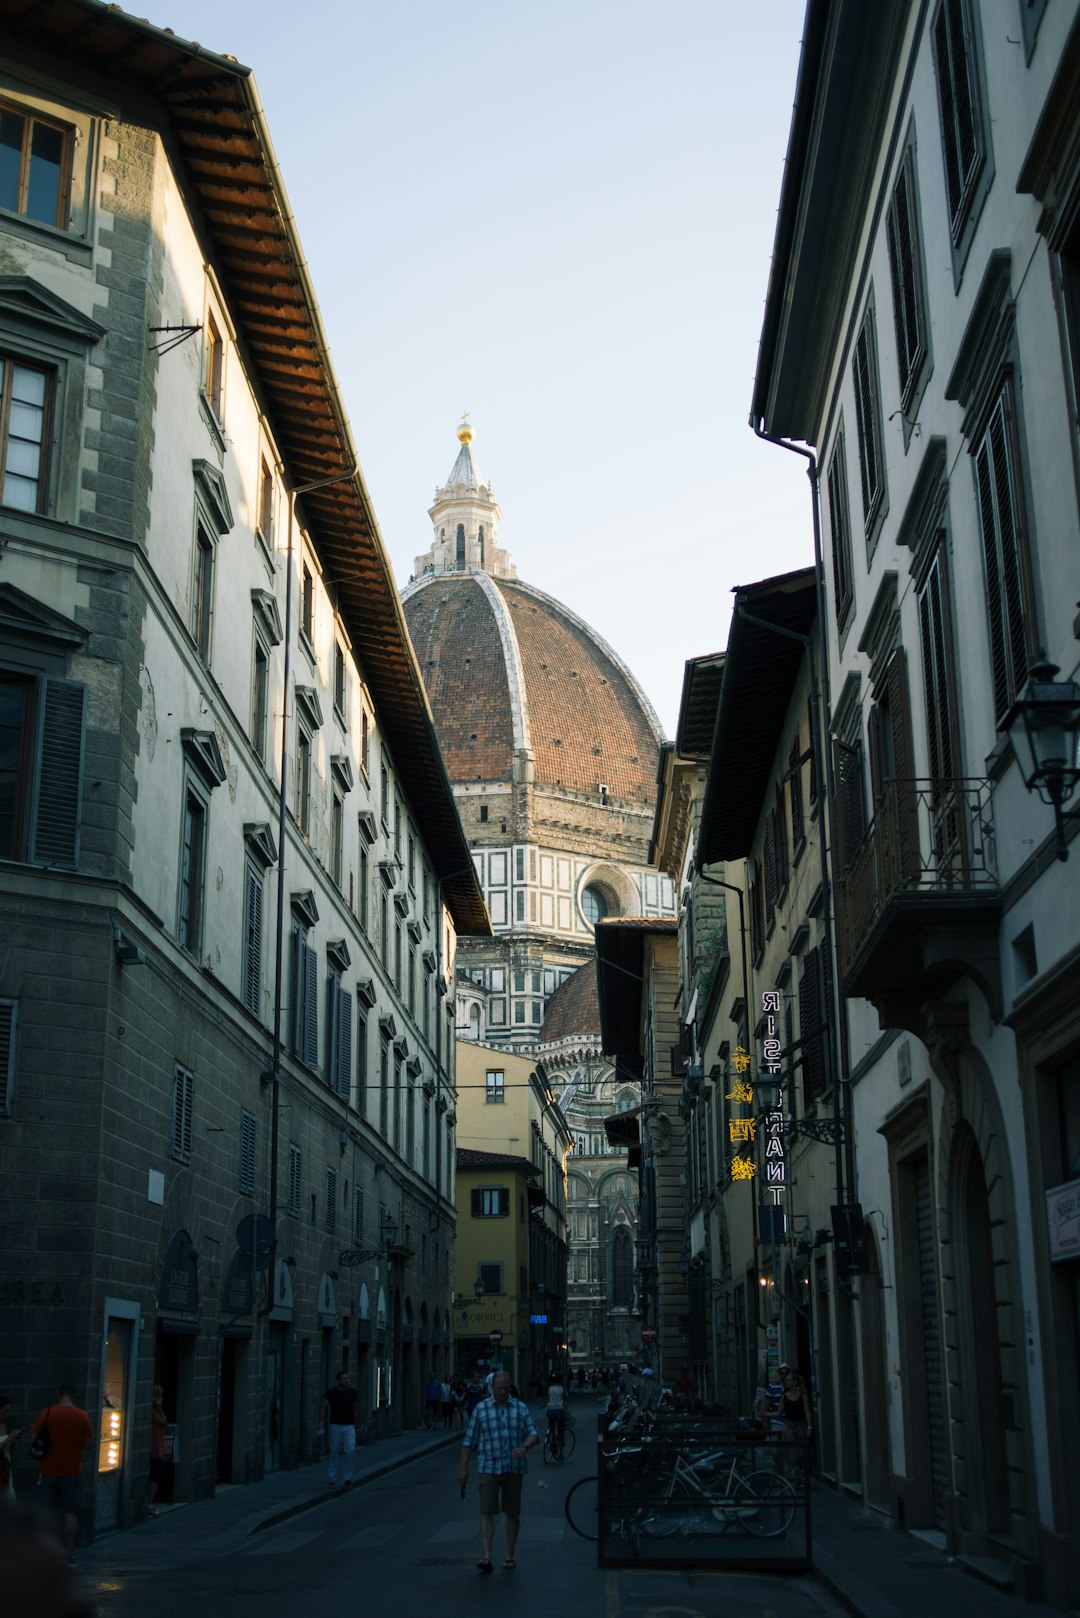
(648, 1334)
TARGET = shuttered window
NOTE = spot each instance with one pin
(811, 1027)
(958, 105)
(41, 768)
(358, 1215)
(1004, 552)
(936, 661)
(251, 971)
(248, 1131)
(892, 765)
(841, 532)
(305, 1000)
(330, 1216)
(798, 827)
(339, 1067)
(780, 843)
(905, 266)
(868, 420)
(361, 1061)
(490, 1202)
(295, 1163)
(183, 1103)
(384, 1090)
(8, 1019)
(771, 883)
(850, 799)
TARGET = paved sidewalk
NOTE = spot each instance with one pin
(234, 1513)
(879, 1572)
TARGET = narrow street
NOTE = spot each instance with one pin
(407, 1543)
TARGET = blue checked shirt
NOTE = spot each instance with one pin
(494, 1430)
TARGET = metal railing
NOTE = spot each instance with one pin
(926, 836)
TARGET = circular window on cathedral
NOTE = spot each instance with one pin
(594, 903)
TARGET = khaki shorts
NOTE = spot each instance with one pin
(490, 1483)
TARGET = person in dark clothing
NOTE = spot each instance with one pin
(339, 1412)
(796, 1415)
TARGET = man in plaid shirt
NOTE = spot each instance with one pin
(501, 1431)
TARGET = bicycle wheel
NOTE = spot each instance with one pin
(549, 1448)
(773, 1502)
(568, 1443)
(581, 1509)
(673, 1514)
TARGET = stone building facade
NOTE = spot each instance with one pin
(225, 1052)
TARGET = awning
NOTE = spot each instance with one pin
(623, 1129)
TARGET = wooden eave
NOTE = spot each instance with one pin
(217, 130)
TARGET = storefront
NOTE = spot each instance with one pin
(116, 1453)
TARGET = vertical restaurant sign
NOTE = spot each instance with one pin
(771, 1060)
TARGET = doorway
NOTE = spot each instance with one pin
(874, 1388)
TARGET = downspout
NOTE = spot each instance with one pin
(839, 1053)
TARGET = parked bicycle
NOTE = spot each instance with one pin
(717, 1488)
(559, 1446)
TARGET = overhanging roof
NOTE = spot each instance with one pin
(702, 678)
(849, 55)
(759, 677)
(620, 977)
(216, 130)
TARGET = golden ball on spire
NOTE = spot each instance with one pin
(465, 432)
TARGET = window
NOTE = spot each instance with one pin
(363, 879)
(964, 137)
(365, 743)
(305, 998)
(384, 796)
(594, 903)
(202, 595)
(812, 785)
(260, 697)
(798, 828)
(361, 1060)
(192, 872)
(8, 1021)
(841, 533)
(892, 766)
(358, 1215)
(850, 799)
(1004, 552)
(483, 814)
(248, 1128)
(490, 1202)
(337, 835)
(936, 637)
(811, 1027)
(307, 606)
(495, 1085)
(25, 400)
(384, 1089)
(339, 1006)
(490, 1276)
(292, 1206)
(266, 505)
(35, 167)
(251, 971)
(397, 828)
(868, 424)
(213, 365)
(41, 756)
(410, 1122)
(331, 1202)
(340, 687)
(908, 288)
(302, 783)
(183, 1101)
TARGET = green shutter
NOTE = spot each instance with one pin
(8, 1010)
(60, 768)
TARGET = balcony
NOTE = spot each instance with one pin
(919, 901)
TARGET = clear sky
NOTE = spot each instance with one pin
(559, 216)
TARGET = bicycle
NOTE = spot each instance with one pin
(760, 1502)
(554, 1450)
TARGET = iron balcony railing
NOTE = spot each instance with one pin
(927, 836)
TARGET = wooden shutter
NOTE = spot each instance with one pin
(866, 421)
(248, 1128)
(253, 915)
(294, 1179)
(956, 103)
(311, 1007)
(795, 787)
(998, 514)
(183, 1102)
(60, 770)
(892, 764)
(296, 998)
(343, 1079)
(900, 233)
(850, 806)
(8, 1014)
(841, 538)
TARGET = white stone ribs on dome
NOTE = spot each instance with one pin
(608, 651)
(515, 673)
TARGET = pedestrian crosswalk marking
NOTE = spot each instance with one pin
(285, 1544)
(373, 1534)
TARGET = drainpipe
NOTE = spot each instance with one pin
(839, 1054)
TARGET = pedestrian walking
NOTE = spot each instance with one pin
(65, 1431)
(474, 1392)
(501, 1432)
(158, 1423)
(798, 1423)
(9, 1437)
(339, 1410)
(457, 1401)
(432, 1401)
(446, 1404)
(556, 1415)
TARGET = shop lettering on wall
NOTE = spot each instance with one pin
(46, 1292)
(772, 1055)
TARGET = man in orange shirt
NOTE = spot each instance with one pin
(60, 1469)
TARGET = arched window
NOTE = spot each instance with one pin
(461, 544)
(622, 1270)
(481, 544)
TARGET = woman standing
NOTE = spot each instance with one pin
(796, 1416)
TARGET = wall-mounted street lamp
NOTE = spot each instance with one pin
(1043, 724)
(388, 1233)
(769, 1089)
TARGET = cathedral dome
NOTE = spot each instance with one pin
(511, 672)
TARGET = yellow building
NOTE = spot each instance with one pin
(510, 1271)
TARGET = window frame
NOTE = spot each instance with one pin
(495, 1086)
(249, 1132)
(191, 923)
(294, 1182)
(836, 488)
(918, 360)
(213, 366)
(495, 1269)
(252, 953)
(71, 235)
(9, 1034)
(51, 769)
(1019, 641)
(866, 379)
(183, 1108)
(964, 195)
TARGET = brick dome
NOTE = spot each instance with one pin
(511, 671)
